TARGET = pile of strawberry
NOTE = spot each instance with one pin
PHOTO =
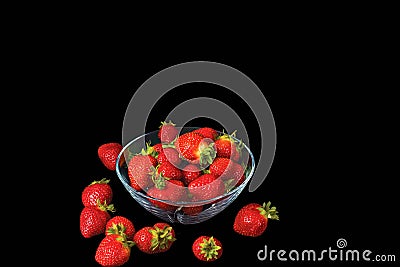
(206, 164)
(119, 231)
(198, 165)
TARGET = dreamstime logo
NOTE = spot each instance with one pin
(332, 254)
(162, 82)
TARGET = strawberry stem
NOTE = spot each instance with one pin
(209, 248)
(269, 212)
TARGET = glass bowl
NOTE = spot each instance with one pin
(178, 214)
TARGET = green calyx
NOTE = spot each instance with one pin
(118, 229)
(162, 238)
(207, 154)
(104, 206)
(125, 242)
(167, 123)
(148, 151)
(102, 181)
(269, 212)
(209, 248)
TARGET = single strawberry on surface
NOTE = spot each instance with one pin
(207, 248)
(113, 250)
(97, 190)
(93, 219)
(155, 239)
(108, 154)
(252, 219)
(120, 225)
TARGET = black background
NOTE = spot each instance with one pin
(330, 177)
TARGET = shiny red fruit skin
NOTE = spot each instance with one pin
(167, 133)
(111, 253)
(97, 191)
(168, 170)
(93, 221)
(127, 223)
(249, 221)
(226, 149)
(188, 144)
(207, 132)
(108, 154)
(139, 168)
(206, 186)
(190, 172)
(169, 154)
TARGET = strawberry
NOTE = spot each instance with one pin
(120, 225)
(108, 154)
(113, 250)
(168, 170)
(227, 146)
(252, 219)
(169, 154)
(226, 169)
(167, 132)
(93, 219)
(206, 186)
(170, 190)
(154, 239)
(207, 132)
(190, 172)
(207, 248)
(196, 149)
(168, 229)
(192, 210)
(139, 171)
(97, 190)
(158, 148)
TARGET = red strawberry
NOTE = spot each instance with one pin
(97, 190)
(190, 172)
(226, 169)
(193, 210)
(194, 148)
(228, 147)
(158, 148)
(120, 225)
(168, 170)
(206, 248)
(206, 186)
(169, 154)
(165, 227)
(154, 239)
(170, 190)
(252, 219)
(139, 171)
(113, 250)
(93, 219)
(207, 132)
(167, 132)
(108, 154)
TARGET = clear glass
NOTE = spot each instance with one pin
(211, 207)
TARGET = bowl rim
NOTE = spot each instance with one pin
(182, 203)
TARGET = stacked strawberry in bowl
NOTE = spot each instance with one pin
(185, 174)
